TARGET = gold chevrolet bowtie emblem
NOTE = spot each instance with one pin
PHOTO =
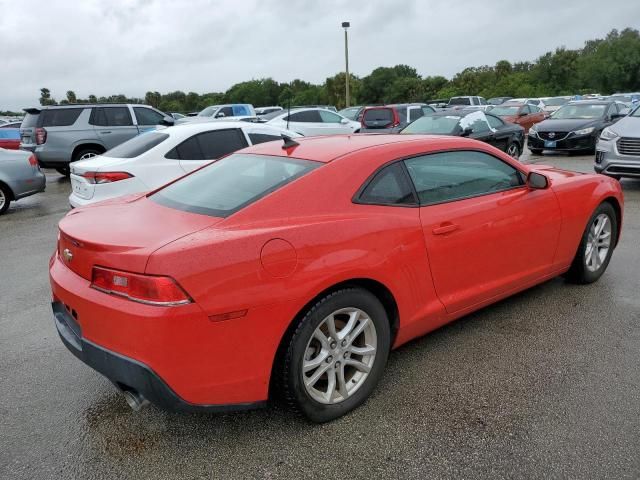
(67, 255)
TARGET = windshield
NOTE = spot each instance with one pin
(460, 101)
(433, 125)
(350, 112)
(137, 145)
(232, 183)
(505, 111)
(635, 113)
(579, 112)
(555, 101)
(209, 111)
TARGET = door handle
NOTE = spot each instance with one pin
(445, 228)
(108, 131)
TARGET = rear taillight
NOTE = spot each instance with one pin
(106, 177)
(152, 290)
(33, 161)
(41, 136)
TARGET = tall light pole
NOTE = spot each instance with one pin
(346, 25)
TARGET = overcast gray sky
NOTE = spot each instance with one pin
(132, 46)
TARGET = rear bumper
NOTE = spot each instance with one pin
(127, 373)
(29, 185)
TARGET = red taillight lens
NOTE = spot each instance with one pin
(33, 161)
(41, 136)
(152, 290)
(106, 177)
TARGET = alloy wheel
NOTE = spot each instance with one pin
(339, 355)
(598, 242)
(513, 151)
(87, 155)
(3, 199)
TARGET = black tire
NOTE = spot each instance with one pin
(536, 151)
(7, 196)
(516, 153)
(293, 390)
(65, 171)
(579, 272)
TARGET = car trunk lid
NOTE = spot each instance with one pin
(122, 234)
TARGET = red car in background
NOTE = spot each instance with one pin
(10, 135)
(522, 114)
(290, 270)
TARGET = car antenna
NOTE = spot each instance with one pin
(288, 142)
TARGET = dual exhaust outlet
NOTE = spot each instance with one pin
(135, 400)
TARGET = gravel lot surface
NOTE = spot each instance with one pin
(545, 384)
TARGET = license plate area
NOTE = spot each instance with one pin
(80, 188)
(550, 144)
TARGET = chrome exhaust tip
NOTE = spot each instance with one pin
(135, 400)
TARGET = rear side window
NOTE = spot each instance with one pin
(30, 120)
(209, 145)
(390, 186)
(310, 116)
(262, 138)
(111, 117)
(146, 116)
(230, 184)
(328, 117)
(449, 176)
(61, 117)
(137, 145)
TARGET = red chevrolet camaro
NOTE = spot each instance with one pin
(290, 270)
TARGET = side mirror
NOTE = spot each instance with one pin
(467, 131)
(617, 116)
(537, 181)
(344, 121)
(168, 120)
(220, 115)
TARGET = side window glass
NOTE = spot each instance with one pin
(388, 187)
(187, 150)
(309, 116)
(146, 116)
(449, 176)
(328, 117)
(495, 122)
(480, 125)
(257, 137)
(415, 112)
(228, 111)
(116, 117)
(218, 143)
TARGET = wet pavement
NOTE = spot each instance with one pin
(545, 384)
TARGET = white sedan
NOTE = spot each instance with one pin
(155, 158)
(313, 121)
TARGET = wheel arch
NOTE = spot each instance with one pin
(83, 146)
(12, 196)
(613, 201)
(378, 289)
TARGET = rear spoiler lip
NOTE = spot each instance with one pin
(32, 110)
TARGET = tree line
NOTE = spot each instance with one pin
(607, 65)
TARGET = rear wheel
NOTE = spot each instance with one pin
(596, 246)
(336, 355)
(5, 198)
(513, 150)
(82, 154)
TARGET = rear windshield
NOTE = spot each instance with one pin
(230, 184)
(137, 145)
(377, 116)
(460, 101)
(505, 110)
(30, 120)
(433, 125)
(60, 117)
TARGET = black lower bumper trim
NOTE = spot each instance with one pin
(127, 373)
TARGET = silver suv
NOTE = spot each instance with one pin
(618, 148)
(61, 134)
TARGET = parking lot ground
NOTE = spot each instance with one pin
(545, 384)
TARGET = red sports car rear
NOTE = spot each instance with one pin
(290, 271)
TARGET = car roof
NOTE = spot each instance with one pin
(591, 102)
(327, 148)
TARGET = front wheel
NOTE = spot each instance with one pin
(596, 247)
(336, 355)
